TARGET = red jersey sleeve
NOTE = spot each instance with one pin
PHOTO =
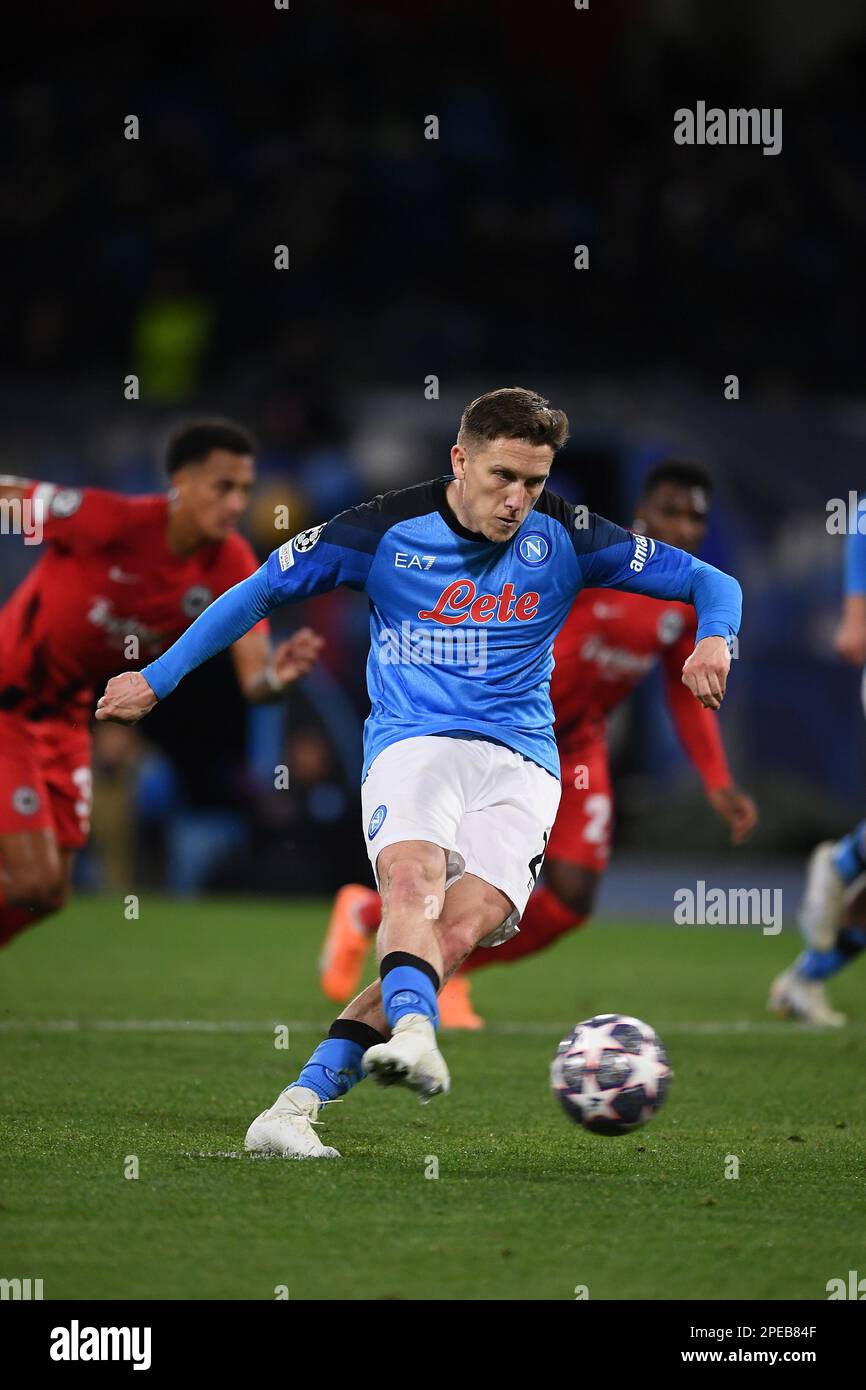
(78, 519)
(238, 562)
(697, 727)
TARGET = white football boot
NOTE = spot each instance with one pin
(287, 1128)
(793, 997)
(410, 1058)
(823, 900)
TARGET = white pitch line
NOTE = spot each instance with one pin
(721, 1028)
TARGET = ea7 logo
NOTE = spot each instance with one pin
(403, 561)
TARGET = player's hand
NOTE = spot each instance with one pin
(294, 657)
(127, 699)
(850, 638)
(737, 809)
(705, 673)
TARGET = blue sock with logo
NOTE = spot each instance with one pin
(849, 856)
(409, 986)
(335, 1066)
(820, 965)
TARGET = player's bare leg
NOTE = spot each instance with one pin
(472, 910)
(412, 882)
(412, 875)
(35, 879)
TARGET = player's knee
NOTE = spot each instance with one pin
(411, 876)
(575, 888)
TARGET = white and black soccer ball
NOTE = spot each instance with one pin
(611, 1074)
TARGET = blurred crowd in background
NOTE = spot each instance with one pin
(422, 272)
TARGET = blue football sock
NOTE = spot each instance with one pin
(409, 986)
(849, 856)
(335, 1066)
(820, 965)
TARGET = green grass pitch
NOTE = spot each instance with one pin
(525, 1205)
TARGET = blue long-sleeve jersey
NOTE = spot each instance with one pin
(461, 627)
(855, 563)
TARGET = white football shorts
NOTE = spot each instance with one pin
(490, 809)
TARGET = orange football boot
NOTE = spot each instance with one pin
(455, 1005)
(346, 943)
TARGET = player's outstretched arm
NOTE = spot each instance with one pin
(613, 558)
(133, 694)
(311, 563)
(700, 734)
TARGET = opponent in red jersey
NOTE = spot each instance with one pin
(607, 645)
(118, 580)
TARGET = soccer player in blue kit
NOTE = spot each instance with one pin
(469, 577)
(833, 912)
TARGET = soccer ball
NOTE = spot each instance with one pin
(611, 1073)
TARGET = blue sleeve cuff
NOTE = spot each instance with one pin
(714, 629)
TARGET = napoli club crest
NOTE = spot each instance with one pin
(377, 820)
(533, 548)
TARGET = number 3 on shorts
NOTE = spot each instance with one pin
(536, 863)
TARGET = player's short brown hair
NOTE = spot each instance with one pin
(512, 412)
(194, 440)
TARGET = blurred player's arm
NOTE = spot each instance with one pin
(313, 563)
(264, 672)
(851, 633)
(72, 518)
(14, 489)
(701, 737)
(613, 558)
